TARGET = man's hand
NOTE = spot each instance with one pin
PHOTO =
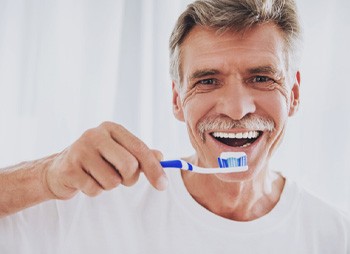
(101, 159)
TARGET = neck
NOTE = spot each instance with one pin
(240, 201)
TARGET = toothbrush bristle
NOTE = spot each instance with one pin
(233, 161)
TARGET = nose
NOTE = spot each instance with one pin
(236, 101)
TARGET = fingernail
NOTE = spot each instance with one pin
(162, 183)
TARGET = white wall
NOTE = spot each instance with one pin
(66, 66)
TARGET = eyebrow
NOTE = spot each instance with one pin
(263, 69)
(255, 70)
(203, 73)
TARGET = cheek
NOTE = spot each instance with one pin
(196, 108)
(284, 91)
(276, 103)
(188, 97)
(192, 105)
(193, 111)
(277, 108)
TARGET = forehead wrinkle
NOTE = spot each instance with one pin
(194, 40)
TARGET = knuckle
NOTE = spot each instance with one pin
(92, 139)
(88, 133)
(130, 164)
(127, 170)
(131, 180)
(107, 125)
(112, 183)
(91, 135)
(75, 156)
(91, 189)
(141, 148)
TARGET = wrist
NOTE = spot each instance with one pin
(46, 165)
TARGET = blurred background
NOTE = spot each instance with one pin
(68, 65)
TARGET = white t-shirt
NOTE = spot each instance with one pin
(140, 219)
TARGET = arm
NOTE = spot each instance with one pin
(21, 186)
(101, 159)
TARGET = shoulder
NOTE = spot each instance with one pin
(316, 224)
(318, 213)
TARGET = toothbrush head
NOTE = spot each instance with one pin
(229, 162)
(235, 160)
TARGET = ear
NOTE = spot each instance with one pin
(177, 106)
(294, 97)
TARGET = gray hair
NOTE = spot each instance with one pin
(238, 16)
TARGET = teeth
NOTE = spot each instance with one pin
(239, 135)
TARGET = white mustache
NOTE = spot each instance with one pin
(222, 123)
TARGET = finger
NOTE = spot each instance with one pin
(102, 171)
(91, 187)
(122, 160)
(158, 154)
(148, 163)
(81, 180)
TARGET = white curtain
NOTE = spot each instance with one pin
(68, 65)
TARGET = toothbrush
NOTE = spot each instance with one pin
(229, 162)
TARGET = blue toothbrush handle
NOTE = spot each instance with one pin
(177, 164)
(171, 164)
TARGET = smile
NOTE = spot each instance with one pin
(240, 139)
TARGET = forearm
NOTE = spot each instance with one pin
(88, 165)
(23, 185)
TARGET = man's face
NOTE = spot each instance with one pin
(235, 95)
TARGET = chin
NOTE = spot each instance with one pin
(237, 177)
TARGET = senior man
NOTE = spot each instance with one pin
(234, 66)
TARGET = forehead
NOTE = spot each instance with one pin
(204, 48)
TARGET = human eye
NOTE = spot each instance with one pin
(209, 81)
(262, 82)
(262, 79)
(206, 84)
